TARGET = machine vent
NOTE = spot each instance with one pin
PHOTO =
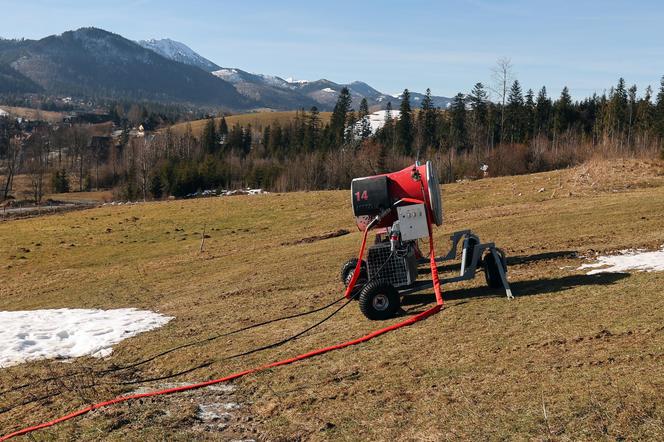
(398, 271)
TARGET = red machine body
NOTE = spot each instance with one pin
(376, 194)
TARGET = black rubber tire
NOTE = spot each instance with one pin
(472, 242)
(491, 273)
(358, 285)
(349, 267)
(379, 300)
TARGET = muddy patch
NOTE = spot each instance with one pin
(310, 239)
(217, 411)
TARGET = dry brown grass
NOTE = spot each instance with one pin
(588, 349)
(255, 119)
(33, 114)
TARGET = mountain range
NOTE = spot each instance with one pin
(91, 62)
(276, 90)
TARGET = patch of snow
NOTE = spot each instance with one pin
(273, 80)
(29, 335)
(639, 260)
(329, 90)
(230, 75)
(213, 412)
(174, 50)
(292, 80)
(4, 113)
(377, 120)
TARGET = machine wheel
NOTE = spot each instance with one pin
(491, 272)
(349, 267)
(472, 242)
(379, 300)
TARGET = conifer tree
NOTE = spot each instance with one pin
(246, 139)
(644, 116)
(619, 108)
(542, 112)
(428, 121)
(562, 112)
(404, 127)
(339, 117)
(312, 129)
(478, 100)
(514, 114)
(529, 115)
(458, 134)
(659, 110)
(386, 134)
(223, 129)
(631, 109)
(365, 125)
(209, 140)
(351, 120)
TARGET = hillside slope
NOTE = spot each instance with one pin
(179, 52)
(256, 119)
(96, 63)
(573, 357)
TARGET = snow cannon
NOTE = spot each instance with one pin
(402, 208)
(377, 194)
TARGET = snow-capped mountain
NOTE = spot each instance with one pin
(279, 93)
(177, 51)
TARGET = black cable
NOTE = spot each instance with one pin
(291, 338)
(161, 378)
(297, 335)
(171, 350)
(297, 315)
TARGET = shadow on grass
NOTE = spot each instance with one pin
(511, 260)
(519, 289)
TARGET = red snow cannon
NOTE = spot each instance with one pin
(402, 207)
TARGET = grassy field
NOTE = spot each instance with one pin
(573, 357)
(33, 114)
(255, 119)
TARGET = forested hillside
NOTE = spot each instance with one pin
(474, 137)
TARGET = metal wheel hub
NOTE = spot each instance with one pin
(380, 302)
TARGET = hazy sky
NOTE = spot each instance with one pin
(444, 45)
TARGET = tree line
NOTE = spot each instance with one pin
(515, 132)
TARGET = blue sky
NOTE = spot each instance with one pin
(444, 45)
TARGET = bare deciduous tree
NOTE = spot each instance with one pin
(37, 159)
(12, 162)
(502, 76)
(147, 158)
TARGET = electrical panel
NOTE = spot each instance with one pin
(413, 222)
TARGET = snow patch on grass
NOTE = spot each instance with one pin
(638, 260)
(29, 335)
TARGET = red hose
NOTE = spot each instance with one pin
(237, 375)
(358, 266)
(409, 321)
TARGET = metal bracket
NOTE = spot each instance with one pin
(503, 276)
(468, 272)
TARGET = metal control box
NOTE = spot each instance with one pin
(413, 222)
